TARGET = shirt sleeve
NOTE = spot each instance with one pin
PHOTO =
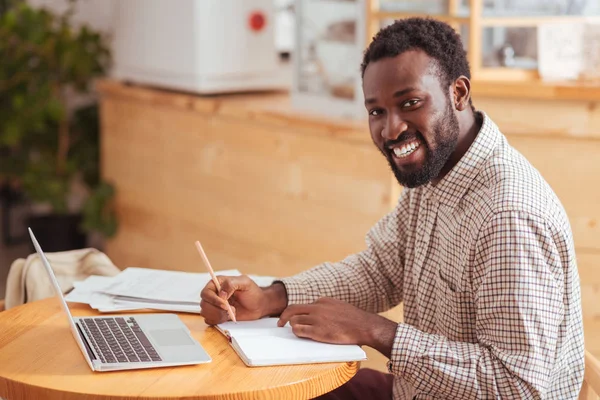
(518, 297)
(371, 280)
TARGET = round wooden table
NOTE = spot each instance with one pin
(39, 359)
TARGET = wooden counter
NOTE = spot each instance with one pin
(269, 190)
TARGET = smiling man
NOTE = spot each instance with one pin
(478, 248)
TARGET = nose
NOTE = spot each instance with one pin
(394, 127)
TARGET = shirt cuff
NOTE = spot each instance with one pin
(405, 348)
(296, 289)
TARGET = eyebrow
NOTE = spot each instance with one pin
(399, 93)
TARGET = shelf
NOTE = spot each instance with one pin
(488, 21)
(536, 90)
(476, 18)
(402, 14)
(534, 20)
(507, 74)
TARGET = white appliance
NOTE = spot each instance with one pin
(202, 46)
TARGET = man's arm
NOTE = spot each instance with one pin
(518, 289)
(371, 280)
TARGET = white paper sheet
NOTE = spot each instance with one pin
(88, 290)
(161, 285)
(140, 288)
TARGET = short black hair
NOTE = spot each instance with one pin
(437, 39)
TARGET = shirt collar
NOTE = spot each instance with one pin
(451, 189)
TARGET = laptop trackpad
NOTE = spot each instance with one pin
(171, 337)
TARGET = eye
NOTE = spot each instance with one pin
(376, 112)
(410, 103)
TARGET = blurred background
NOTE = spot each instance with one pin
(139, 126)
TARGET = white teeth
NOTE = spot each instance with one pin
(406, 149)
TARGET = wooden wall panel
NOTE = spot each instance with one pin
(588, 262)
(543, 117)
(571, 166)
(299, 200)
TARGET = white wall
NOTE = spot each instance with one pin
(98, 14)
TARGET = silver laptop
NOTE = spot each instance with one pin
(115, 343)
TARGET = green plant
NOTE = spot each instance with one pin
(46, 143)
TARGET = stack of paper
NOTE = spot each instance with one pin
(141, 288)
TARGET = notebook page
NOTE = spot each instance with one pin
(250, 327)
(281, 350)
(264, 343)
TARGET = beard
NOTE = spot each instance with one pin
(445, 132)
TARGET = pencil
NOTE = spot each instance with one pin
(214, 277)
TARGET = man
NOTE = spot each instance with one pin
(478, 248)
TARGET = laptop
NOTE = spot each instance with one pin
(116, 343)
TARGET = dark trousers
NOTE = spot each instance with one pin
(366, 384)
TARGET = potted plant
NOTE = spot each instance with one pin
(49, 144)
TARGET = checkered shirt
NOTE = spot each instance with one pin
(484, 262)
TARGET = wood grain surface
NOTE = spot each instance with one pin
(39, 359)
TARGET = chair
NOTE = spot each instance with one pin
(591, 380)
(28, 281)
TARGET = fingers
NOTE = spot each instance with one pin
(303, 331)
(214, 315)
(214, 305)
(229, 285)
(291, 311)
(302, 319)
(232, 284)
(303, 325)
(209, 296)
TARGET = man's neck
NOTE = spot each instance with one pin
(469, 124)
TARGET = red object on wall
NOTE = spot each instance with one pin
(257, 21)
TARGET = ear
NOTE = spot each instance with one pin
(462, 93)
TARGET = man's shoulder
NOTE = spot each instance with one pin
(512, 184)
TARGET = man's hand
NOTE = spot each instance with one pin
(334, 321)
(248, 301)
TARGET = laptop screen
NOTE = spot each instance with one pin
(59, 294)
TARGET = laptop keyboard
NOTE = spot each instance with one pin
(119, 340)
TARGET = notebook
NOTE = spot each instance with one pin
(263, 343)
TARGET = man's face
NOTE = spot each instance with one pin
(411, 116)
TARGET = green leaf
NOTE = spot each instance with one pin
(11, 133)
(18, 101)
(41, 184)
(9, 20)
(44, 55)
(98, 212)
(55, 110)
